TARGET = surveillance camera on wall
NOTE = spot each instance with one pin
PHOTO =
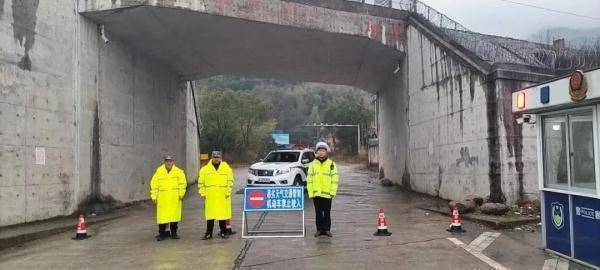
(397, 67)
(103, 34)
(527, 119)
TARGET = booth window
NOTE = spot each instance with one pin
(555, 152)
(568, 149)
(582, 152)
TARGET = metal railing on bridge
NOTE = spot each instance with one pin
(435, 17)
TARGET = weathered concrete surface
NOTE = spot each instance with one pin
(449, 143)
(418, 240)
(104, 113)
(394, 134)
(265, 39)
(462, 136)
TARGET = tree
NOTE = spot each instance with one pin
(235, 122)
(255, 108)
(350, 110)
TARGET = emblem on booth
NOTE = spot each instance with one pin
(558, 218)
(578, 86)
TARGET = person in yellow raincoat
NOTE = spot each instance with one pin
(167, 189)
(322, 184)
(215, 185)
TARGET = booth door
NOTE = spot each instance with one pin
(558, 224)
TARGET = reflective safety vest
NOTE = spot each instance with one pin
(322, 179)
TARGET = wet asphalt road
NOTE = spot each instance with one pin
(419, 239)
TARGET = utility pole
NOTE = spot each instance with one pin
(198, 119)
(338, 125)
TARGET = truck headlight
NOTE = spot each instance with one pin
(282, 171)
(251, 171)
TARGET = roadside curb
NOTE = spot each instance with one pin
(11, 236)
(42, 229)
(62, 225)
(495, 222)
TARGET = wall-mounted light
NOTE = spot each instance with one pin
(521, 100)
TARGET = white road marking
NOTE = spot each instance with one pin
(478, 245)
(556, 264)
(457, 242)
(482, 242)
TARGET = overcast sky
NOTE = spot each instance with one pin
(506, 19)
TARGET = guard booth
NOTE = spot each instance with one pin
(566, 114)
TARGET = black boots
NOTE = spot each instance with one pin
(324, 233)
(210, 236)
(207, 236)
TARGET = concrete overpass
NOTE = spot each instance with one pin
(99, 115)
(265, 39)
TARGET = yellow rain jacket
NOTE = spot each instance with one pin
(322, 179)
(216, 187)
(167, 189)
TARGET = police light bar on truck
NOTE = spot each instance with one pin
(569, 91)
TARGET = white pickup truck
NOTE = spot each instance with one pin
(281, 168)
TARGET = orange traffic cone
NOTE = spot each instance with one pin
(455, 226)
(228, 229)
(81, 229)
(382, 225)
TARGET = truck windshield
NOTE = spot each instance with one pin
(282, 157)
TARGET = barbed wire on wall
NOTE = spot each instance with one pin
(501, 49)
(435, 17)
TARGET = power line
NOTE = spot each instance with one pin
(551, 10)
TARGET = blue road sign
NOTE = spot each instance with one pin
(274, 199)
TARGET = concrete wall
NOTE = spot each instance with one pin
(448, 146)
(393, 132)
(373, 152)
(36, 109)
(104, 114)
(335, 16)
(142, 117)
(192, 144)
(462, 135)
(518, 151)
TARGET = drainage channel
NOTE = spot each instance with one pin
(248, 244)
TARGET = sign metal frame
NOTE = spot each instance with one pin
(248, 233)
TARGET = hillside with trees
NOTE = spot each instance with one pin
(240, 114)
